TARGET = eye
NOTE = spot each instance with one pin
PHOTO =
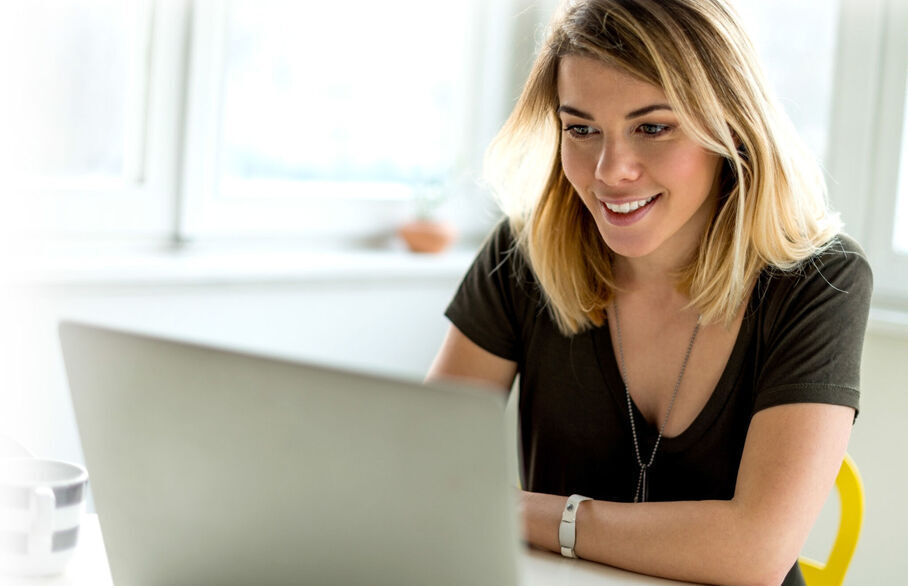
(654, 129)
(580, 130)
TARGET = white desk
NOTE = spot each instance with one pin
(540, 568)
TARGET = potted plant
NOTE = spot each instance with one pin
(426, 233)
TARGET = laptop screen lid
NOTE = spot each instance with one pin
(214, 466)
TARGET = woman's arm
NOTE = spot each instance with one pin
(461, 358)
(791, 457)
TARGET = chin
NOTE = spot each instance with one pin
(627, 246)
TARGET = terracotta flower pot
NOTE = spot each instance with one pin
(427, 235)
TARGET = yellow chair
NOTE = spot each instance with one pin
(851, 498)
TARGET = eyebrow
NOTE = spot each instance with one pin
(635, 114)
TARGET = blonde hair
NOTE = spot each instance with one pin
(773, 208)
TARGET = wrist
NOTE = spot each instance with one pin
(542, 514)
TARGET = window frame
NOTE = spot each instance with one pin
(139, 203)
(317, 210)
(866, 135)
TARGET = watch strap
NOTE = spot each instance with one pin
(567, 530)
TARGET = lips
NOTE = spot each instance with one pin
(628, 211)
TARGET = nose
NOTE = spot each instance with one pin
(618, 163)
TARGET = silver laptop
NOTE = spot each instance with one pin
(211, 466)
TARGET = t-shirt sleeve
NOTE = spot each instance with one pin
(490, 299)
(815, 336)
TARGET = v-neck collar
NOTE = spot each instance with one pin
(614, 385)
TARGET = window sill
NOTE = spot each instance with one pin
(96, 268)
(136, 267)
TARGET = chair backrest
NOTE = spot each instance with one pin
(851, 498)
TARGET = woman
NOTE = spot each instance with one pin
(671, 288)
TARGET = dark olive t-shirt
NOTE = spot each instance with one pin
(800, 341)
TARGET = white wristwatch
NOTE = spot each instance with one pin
(567, 531)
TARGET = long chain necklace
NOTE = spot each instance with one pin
(642, 490)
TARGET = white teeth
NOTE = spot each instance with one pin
(626, 208)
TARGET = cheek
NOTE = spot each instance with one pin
(578, 175)
(693, 166)
(574, 165)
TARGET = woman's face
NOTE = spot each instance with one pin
(650, 188)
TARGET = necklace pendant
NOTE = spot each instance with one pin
(642, 493)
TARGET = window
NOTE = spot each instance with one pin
(325, 118)
(840, 69)
(76, 146)
(889, 224)
(158, 119)
(799, 66)
(72, 72)
(293, 107)
(208, 118)
(866, 138)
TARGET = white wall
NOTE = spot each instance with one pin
(392, 326)
(876, 445)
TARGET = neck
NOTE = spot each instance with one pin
(657, 271)
(652, 281)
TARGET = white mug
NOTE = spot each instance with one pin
(41, 507)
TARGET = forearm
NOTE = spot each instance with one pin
(699, 541)
(789, 464)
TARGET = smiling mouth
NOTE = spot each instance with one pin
(630, 206)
